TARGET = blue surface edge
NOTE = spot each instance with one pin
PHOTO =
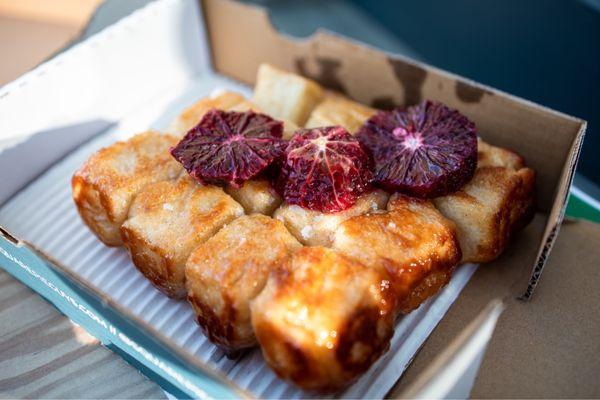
(86, 309)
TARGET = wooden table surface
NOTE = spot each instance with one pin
(44, 355)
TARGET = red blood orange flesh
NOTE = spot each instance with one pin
(230, 147)
(426, 151)
(324, 169)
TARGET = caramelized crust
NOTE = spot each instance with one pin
(226, 101)
(323, 319)
(496, 203)
(192, 115)
(256, 196)
(489, 209)
(492, 156)
(315, 228)
(412, 242)
(229, 270)
(167, 221)
(284, 95)
(338, 110)
(105, 185)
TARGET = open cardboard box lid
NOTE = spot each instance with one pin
(241, 37)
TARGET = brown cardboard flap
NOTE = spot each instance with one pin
(555, 216)
(454, 363)
(242, 37)
(546, 348)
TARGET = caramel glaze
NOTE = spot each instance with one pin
(158, 269)
(219, 330)
(105, 185)
(167, 221)
(230, 269)
(411, 241)
(323, 319)
(490, 209)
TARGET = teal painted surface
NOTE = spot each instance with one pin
(112, 329)
(578, 208)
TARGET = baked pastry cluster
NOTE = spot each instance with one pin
(318, 291)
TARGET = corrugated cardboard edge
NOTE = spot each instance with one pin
(242, 36)
(556, 215)
(156, 335)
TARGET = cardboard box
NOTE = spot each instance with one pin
(140, 73)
